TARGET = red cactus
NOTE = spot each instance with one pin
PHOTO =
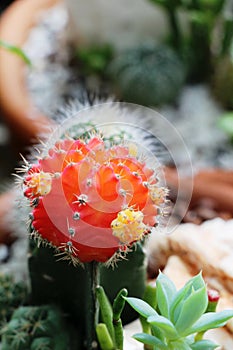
(92, 202)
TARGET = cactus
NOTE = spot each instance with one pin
(35, 328)
(148, 75)
(12, 295)
(91, 202)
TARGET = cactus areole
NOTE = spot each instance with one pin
(92, 202)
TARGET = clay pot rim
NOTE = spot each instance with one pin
(24, 119)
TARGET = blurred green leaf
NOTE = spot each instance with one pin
(179, 344)
(214, 6)
(204, 345)
(95, 59)
(226, 123)
(150, 340)
(17, 51)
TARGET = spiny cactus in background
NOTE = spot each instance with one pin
(12, 295)
(149, 75)
(35, 328)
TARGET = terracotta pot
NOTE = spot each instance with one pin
(6, 202)
(20, 114)
(25, 121)
(212, 189)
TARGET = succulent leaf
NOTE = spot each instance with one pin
(165, 291)
(141, 307)
(150, 340)
(194, 283)
(204, 345)
(165, 325)
(192, 309)
(210, 320)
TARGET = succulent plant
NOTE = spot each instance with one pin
(35, 328)
(179, 319)
(12, 295)
(110, 330)
(149, 75)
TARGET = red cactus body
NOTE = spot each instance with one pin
(90, 201)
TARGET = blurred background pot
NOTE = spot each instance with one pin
(22, 117)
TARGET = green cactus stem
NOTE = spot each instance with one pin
(91, 303)
(57, 282)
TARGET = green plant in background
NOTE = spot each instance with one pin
(15, 50)
(197, 49)
(226, 124)
(222, 82)
(94, 59)
(149, 74)
(195, 44)
(174, 319)
(12, 295)
(36, 328)
(171, 8)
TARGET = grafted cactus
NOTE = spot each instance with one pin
(119, 181)
(91, 202)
